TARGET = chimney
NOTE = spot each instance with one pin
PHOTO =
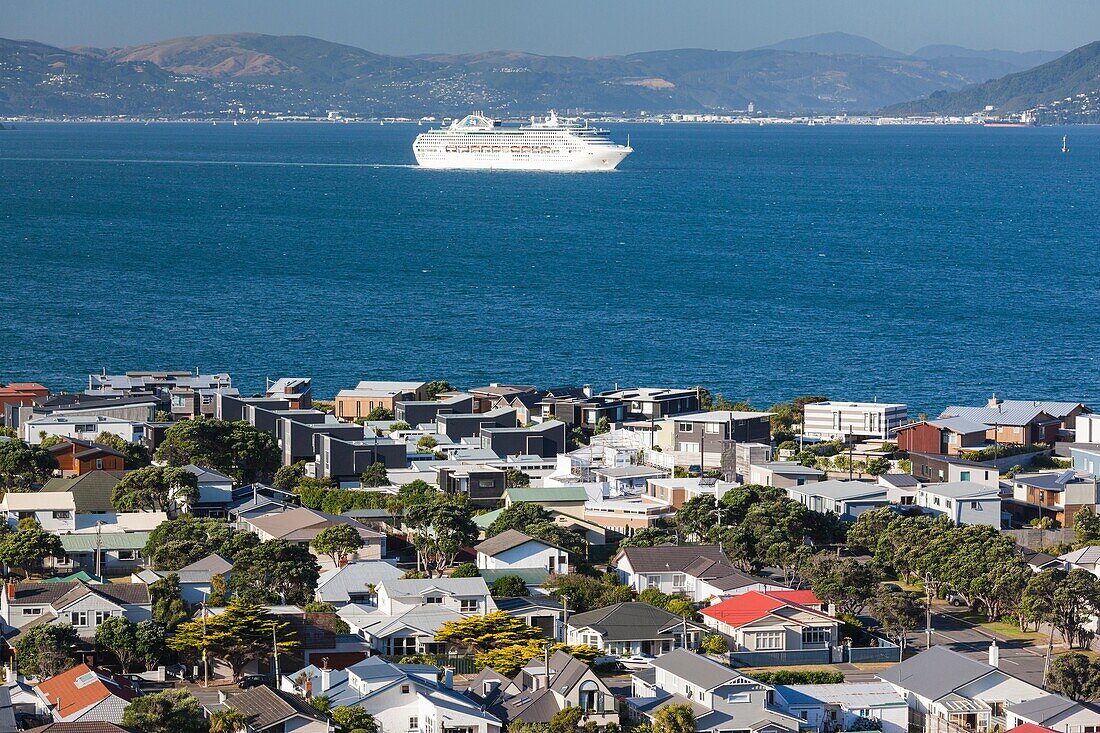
(449, 677)
(11, 591)
(994, 401)
(994, 654)
(326, 679)
(309, 688)
(586, 390)
(221, 696)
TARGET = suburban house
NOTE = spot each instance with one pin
(85, 408)
(401, 697)
(19, 394)
(783, 474)
(947, 436)
(297, 391)
(722, 698)
(832, 707)
(699, 572)
(931, 468)
(419, 412)
(85, 606)
(273, 711)
(846, 499)
(676, 491)
(1020, 422)
(838, 420)
(630, 479)
(355, 582)
(514, 550)
(901, 488)
(704, 436)
(542, 612)
(546, 439)
(483, 485)
(301, 525)
(1056, 496)
(215, 491)
(541, 690)
(54, 511)
(83, 694)
(119, 545)
(81, 427)
(1054, 712)
(1085, 458)
(788, 620)
(1086, 558)
(943, 685)
(368, 396)
(195, 579)
(624, 513)
(626, 629)
(76, 457)
(407, 613)
(91, 491)
(963, 502)
(647, 403)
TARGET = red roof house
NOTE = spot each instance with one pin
(85, 694)
(774, 621)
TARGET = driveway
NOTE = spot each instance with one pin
(1016, 657)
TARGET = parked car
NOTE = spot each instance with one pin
(252, 680)
(956, 600)
(636, 661)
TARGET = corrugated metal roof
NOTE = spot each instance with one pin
(86, 542)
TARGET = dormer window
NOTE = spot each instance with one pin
(433, 599)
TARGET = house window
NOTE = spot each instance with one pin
(414, 723)
(713, 428)
(86, 428)
(815, 636)
(678, 580)
(405, 689)
(976, 506)
(99, 464)
(32, 611)
(433, 599)
(468, 605)
(127, 554)
(101, 616)
(769, 640)
(62, 515)
(78, 618)
(964, 475)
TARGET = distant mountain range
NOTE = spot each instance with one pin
(1075, 73)
(224, 74)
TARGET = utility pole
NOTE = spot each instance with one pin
(565, 621)
(98, 551)
(851, 452)
(275, 650)
(927, 616)
(205, 659)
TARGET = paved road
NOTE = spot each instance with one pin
(1016, 657)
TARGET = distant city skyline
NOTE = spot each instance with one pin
(566, 27)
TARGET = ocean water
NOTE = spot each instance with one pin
(916, 264)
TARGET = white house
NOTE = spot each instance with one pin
(215, 491)
(963, 502)
(355, 582)
(700, 572)
(944, 685)
(1087, 558)
(789, 620)
(55, 511)
(624, 629)
(825, 708)
(196, 579)
(409, 612)
(402, 698)
(514, 550)
(82, 427)
(1054, 712)
(838, 420)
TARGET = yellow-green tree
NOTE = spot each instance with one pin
(491, 631)
(241, 633)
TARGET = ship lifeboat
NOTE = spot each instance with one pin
(515, 148)
(545, 149)
(496, 149)
(452, 148)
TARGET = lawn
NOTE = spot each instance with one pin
(1007, 630)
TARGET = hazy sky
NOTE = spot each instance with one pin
(575, 27)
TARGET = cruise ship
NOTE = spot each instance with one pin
(477, 142)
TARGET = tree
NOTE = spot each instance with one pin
(714, 644)
(1076, 676)
(674, 719)
(337, 541)
(1086, 526)
(234, 447)
(156, 489)
(696, 517)
(897, 613)
(649, 537)
(22, 465)
(1066, 600)
(240, 634)
(877, 466)
(441, 526)
(481, 633)
(150, 642)
(554, 534)
(437, 387)
(135, 455)
(845, 582)
(586, 593)
(508, 660)
(375, 476)
(566, 720)
(509, 586)
(466, 570)
(171, 711)
(788, 414)
(603, 425)
(28, 546)
(228, 721)
(518, 516)
(184, 540)
(516, 479)
(354, 719)
(287, 477)
(46, 650)
(118, 635)
(276, 571)
(426, 443)
(168, 608)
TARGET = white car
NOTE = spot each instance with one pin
(636, 661)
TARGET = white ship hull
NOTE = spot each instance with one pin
(478, 143)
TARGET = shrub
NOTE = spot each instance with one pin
(799, 677)
(714, 644)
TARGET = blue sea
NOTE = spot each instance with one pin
(929, 265)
